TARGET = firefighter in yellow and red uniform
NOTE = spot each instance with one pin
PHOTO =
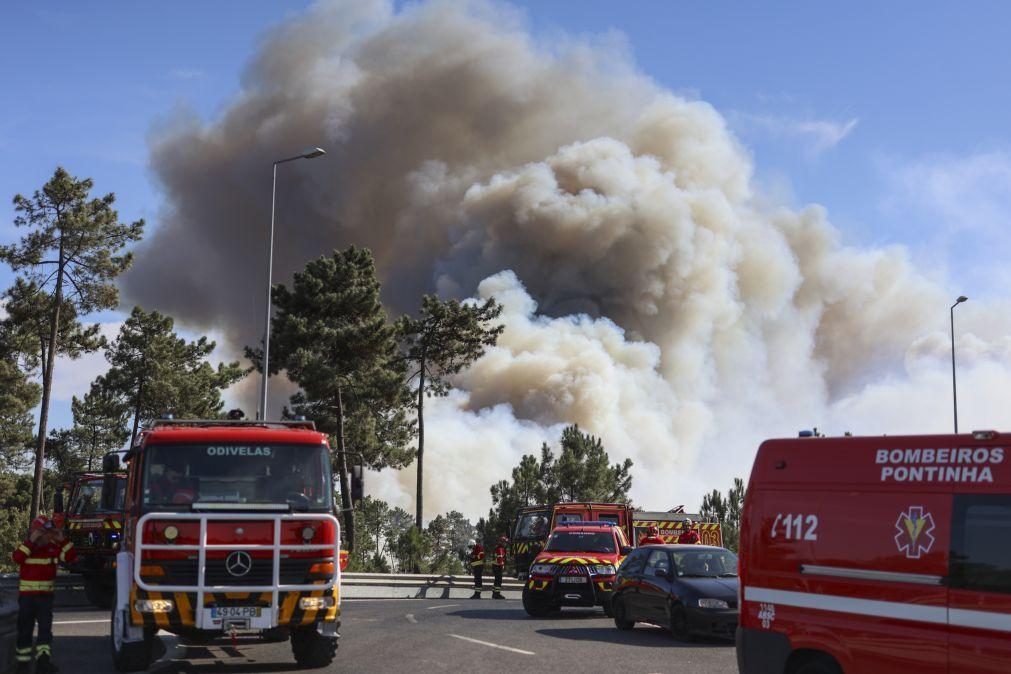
(38, 556)
(476, 567)
(498, 566)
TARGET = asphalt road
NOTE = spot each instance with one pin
(419, 635)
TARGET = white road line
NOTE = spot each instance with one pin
(79, 622)
(491, 645)
(411, 619)
(432, 608)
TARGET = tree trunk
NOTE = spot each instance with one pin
(136, 412)
(420, 503)
(47, 388)
(342, 468)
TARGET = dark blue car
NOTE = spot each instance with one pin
(689, 589)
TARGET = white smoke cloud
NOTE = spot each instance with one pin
(651, 293)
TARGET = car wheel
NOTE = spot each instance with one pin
(535, 608)
(621, 620)
(679, 623)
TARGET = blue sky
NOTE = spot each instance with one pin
(891, 115)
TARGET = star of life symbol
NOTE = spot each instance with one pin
(915, 532)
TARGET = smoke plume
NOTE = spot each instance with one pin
(651, 294)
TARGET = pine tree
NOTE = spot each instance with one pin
(71, 255)
(100, 422)
(331, 335)
(158, 372)
(18, 396)
(447, 337)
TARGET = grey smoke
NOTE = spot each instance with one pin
(652, 295)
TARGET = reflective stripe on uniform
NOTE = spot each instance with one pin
(43, 649)
(65, 550)
(25, 549)
(40, 560)
(35, 586)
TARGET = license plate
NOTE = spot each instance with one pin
(235, 612)
(572, 579)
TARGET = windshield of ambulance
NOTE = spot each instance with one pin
(705, 563)
(581, 541)
(178, 476)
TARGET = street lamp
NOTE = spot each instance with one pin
(954, 390)
(310, 153)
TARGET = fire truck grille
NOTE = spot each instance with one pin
(184, 572)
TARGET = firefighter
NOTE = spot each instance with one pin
(37, 556)
(689, 536)
(652, 537)
(476, 566)
(498, 566)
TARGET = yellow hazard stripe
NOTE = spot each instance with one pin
(40, 560)
(35, 586)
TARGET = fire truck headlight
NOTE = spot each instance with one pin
(308, 533)
(707, 602)
(171, 533)
(603, 570)
(153, 605)
(315, 603)
(546, 569)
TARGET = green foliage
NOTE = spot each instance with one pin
(446, 337)
(15, 499)
(581, 472)
(727, 510)
(156, 371)
(331, 335)
(17, 398)
(66, 262)
(100, 423)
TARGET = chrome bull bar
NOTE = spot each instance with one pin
(201, 588)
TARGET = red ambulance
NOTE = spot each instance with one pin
(877, 554)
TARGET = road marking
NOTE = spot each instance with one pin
(79, 622)
(491, 645)
(432, 608)
(411, 619)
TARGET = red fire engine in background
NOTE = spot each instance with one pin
(877, 554)
(96, 532)
(230, 528)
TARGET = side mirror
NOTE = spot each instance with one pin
(110, 463)
(58, 500)
(109, 483)
(626, 550)
(357, 484)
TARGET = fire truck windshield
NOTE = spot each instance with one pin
(581, 541)
(88, 498)
(532, 525)
(223, 475)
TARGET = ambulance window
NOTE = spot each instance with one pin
(608, 518)
(981, 543)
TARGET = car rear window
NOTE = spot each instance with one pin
(581, 541)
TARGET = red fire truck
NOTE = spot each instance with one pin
(230, 529)
(530, 530)
(95, 532)
(877, 554)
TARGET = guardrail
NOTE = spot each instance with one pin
(353, 586)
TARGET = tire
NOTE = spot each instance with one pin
(275, 635)
(98, 593)
(817, 664)
(679, 623)
(311, 649)
(534, 607)
(620, 614)
(128, 657)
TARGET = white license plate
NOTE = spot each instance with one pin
(572, 579)
(218, 612)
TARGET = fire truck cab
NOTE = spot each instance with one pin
(95, 531)
(877, 554)
(229, 529)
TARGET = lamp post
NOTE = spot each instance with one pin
(310, 153)
(954, 389)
